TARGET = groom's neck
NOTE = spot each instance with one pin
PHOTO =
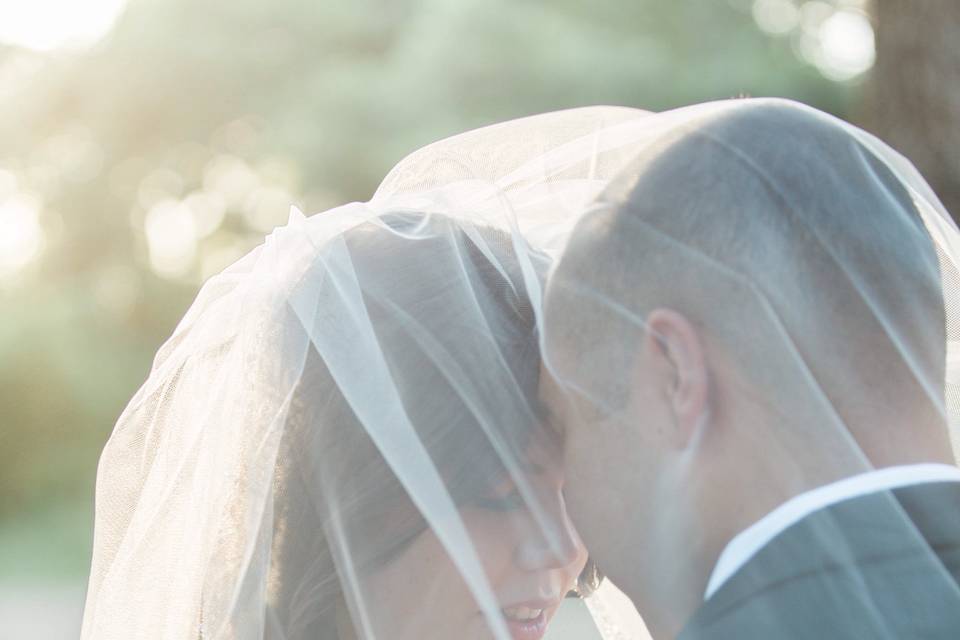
(670, 583)
(732, 488)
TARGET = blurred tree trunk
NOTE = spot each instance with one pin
(912, 99)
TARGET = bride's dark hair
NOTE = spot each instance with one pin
(318, 489)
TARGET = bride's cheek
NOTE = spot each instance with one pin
(419, 593)
(496, 536)
(579, 564)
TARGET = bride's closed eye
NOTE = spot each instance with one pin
(503, 497)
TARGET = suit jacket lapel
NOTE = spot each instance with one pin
(847, 546)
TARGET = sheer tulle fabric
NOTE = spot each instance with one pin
(344, 437)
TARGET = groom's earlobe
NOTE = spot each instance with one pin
(675, 342)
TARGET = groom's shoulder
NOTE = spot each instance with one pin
(887, 564)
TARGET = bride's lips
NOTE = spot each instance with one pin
(528, 620)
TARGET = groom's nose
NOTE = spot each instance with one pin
(550, 543)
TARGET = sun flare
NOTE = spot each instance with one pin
(46, 25)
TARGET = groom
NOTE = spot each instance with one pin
(745, 347)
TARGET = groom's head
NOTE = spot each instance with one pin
(754, 308)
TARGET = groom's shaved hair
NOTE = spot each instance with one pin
(772, 228)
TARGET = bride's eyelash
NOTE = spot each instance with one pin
(508, 502)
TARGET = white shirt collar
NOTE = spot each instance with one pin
(746, 544)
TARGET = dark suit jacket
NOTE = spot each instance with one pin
(885, 565)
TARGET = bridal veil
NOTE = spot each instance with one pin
(371, 373)
(360, 387)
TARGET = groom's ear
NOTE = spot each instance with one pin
(676, 351)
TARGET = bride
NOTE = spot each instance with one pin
(387, 554)
(342, 437)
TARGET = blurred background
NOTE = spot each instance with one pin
(146, 144)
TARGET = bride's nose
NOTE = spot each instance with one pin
(551, 542)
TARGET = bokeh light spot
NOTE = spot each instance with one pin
(21, 235)
(847, 41)
(776, 17)
(171, 238)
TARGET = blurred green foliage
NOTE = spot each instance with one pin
(256, 101)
